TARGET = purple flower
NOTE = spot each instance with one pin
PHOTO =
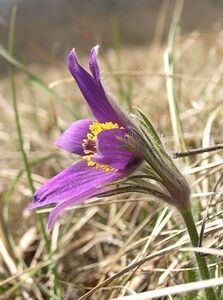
(99, 142)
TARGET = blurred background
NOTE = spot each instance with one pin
(47, 30)
(95, 241)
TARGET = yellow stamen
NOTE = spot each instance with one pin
(95, 129)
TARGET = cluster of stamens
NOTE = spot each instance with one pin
(89, 144)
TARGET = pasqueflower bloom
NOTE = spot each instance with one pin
(99, 142)
(112, 147)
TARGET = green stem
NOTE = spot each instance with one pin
(202, 265)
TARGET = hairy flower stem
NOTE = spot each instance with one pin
(202, 265)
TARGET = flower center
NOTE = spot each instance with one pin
(89, 144)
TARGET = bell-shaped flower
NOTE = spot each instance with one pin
(99, 142)
(112, 148)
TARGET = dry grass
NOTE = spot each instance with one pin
(126, 244)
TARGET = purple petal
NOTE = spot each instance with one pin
(71, 186)
(98, 177)
(72, 138)
(99, 102)
(110, 149)
(95, 70)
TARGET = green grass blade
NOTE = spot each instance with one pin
(21, 141)
(37, 81)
